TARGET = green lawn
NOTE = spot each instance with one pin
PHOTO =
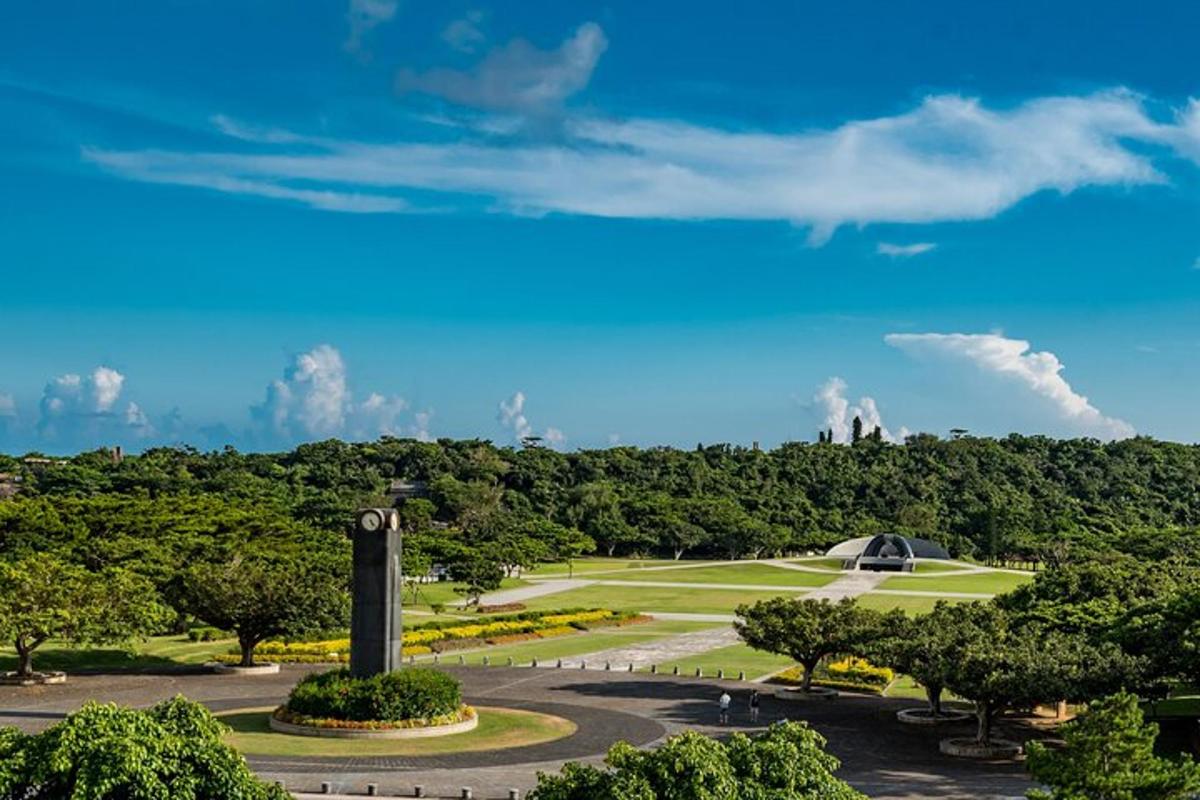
(444, 592)
(547, 650)
(584, 566)
(158, 651)
(732, 659)
(498, 727)
(909, 605)
(979, 582)
(938, 566)
(651, 598)
(750, 573)
(828, 564)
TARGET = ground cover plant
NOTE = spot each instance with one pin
(412, 697)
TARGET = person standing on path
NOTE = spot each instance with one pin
(724, 704)
(754, 702)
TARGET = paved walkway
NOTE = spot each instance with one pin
(880, 757)
(658, 651)
(523, 593)
(851, 584)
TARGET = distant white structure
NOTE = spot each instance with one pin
(885, 552)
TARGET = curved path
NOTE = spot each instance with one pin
(881, 757)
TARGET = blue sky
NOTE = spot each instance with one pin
(646, 223)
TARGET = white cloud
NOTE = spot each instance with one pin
(419, 429)
(137, 422)
(8, 406)
(512, 417)
(80, 411)
(313, 401)
(1013, 359)
(950, 158)
(518, 76)
(363, 17)
(463, 34)
(903, 250)
(839, 414)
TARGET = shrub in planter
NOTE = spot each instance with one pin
(391, 697)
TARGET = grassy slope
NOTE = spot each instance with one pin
(497, 728)
(584, 566)
(545, 650)
(981, 583)
(645, 598)
(763, 574)
(732, 659)
(158, 651)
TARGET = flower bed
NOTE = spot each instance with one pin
(440, 636)
(851, 674)
(417, 697)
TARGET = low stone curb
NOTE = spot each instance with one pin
(257, 669)
(36, 679)
(969, 748)
(921, 716)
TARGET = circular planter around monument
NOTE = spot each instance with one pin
(814, 693)
(36, 679)
(235, 669)
(970, 748)
(279, 726)
(921, 716)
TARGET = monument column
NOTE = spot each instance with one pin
(375, 621)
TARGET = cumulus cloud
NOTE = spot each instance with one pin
(950, 158)
(1013, 359)
(839, 414)
(512, 417)
(463, 34)
(517, 77)
(363, 16)
(903, 250)
(313, 400)
(82, 411)
(419, 429)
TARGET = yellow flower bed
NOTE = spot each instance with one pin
(581, 616)
(861, 670)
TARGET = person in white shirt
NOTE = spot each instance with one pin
(724, 703)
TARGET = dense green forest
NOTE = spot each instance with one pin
(1021, 497)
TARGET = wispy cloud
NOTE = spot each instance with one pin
(464, 34)
(1013, 359)
(363, 16)
(950, 158)
(903, 250)
(517, 77)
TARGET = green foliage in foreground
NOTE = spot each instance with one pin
(787, 762)
(1109, 755)
(406, 694)
(105, 752)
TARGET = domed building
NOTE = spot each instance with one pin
(886, 552)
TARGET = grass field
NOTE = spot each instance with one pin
(498, 727)
(828, 564)
(651, 598)
(546, 650)
(938, 566)
(979, 583)
(585, 566)
(909, 605)
(750, 573)
(156, 652)
(732, 659)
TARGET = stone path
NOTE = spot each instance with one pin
(523, 593)
(852, 584)
(658, 651)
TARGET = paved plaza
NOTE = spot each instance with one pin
(880, 757)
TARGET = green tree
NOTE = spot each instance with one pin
(1000, 666)
(258, 597)
(43, 598)
(807, 630)
(478, 570)
(925, 648)
(107, 752)
(786, 762)
(1109, 755)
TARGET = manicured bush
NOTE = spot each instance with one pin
(407, 694)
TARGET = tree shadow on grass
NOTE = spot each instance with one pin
(101, 661)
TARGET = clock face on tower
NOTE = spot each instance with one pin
(370, 521)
